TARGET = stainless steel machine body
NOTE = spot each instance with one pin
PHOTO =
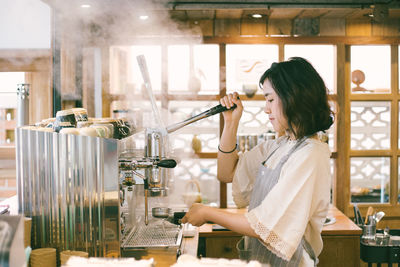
(69, 186)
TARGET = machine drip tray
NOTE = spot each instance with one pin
(155, 235)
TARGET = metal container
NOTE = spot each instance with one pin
(23, 104)
(246, 142)
(69, 186)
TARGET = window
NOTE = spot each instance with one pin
(8, 105)
(193, 69)
(322, 57)
(246, 63)
(368, 77)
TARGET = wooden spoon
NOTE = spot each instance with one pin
(370, 211)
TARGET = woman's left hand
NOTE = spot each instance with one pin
(196, 215)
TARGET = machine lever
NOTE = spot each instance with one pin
(167, 163)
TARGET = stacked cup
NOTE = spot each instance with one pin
(43, 257)
(27, 231)
(66, 254)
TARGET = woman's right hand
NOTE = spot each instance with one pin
(232, 116)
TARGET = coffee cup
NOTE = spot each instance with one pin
(80, 114)
(74, 131)
(107, 128)
(102, 131)
(88, 131)
(120, 130)
(43, 257)
(64, 119)
(83, 124)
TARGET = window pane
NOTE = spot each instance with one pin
(152, 54)
(206, 67)
(333, 175)
(8, 105)
(374, 63)
(322, 57)
(332, 131)
(246, 63)
(254, 120)
(370, 125)
(193, 69)
(398, 185)
(178, 68)
(370, 177)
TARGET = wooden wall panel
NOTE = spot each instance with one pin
(88, 82)
(40, 96)
(332, 27)
(68, 71)
(279, 27)
(254, 27)
(206, 27)
(227, 27)
(388, 27)
(358, 27)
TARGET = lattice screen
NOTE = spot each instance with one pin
(370, 125)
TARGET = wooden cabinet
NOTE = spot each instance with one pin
(340, 250)
(221, 247)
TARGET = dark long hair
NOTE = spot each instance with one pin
(303, 95)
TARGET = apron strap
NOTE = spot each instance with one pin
(285, 158)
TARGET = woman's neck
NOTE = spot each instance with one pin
(290, 135)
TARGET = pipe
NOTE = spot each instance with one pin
(23, 104)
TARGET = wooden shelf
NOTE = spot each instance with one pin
(8, 125)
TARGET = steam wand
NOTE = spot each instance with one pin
(203, 115)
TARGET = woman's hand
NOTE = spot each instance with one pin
(228, 101)
(196, 215)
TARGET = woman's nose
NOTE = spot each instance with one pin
(267, 110)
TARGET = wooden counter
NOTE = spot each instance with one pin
(341, 241)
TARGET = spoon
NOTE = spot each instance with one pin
(378, 216)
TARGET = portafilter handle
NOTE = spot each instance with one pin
(150, 163)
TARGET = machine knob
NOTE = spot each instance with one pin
(167, 163)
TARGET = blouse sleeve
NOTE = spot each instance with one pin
(246, 173)
(282, 217)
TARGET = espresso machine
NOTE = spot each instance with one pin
(152, 170)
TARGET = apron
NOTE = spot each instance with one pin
(265, 181)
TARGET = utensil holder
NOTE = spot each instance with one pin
(369, 232)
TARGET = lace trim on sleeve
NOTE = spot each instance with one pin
(270, 240)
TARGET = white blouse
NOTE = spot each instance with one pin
(297, 205)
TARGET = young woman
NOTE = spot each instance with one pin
(284, 182)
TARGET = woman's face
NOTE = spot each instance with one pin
(273, 108)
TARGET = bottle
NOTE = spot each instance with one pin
(196, 144)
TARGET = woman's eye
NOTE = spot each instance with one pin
(270, 100)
